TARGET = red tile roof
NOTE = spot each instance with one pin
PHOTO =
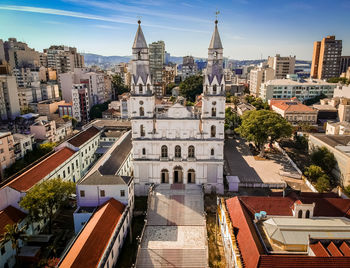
(241, 211)
(83, 136)
(92, 242)
(319, 250)
(10, 215)
(35, 174)
(292, 106)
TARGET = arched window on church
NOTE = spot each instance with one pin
(213, 131)
(142, 131)
(177, 151)
(212, 152)
(307, 214)
(213, 111)
(300, 214)
(142, 111)
(143, 151)
(164, 151)
(148, 87)
(139, 55)
(214, 89)
(191, 151)
(140, 89)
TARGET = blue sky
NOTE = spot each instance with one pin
(249, 28)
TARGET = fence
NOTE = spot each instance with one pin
(281, 185)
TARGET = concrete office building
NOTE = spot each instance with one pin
(156, 60)
(281, 65)
(326, 58)
(259, 75)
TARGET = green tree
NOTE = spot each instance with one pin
(14, 234)
(258, 103)
(97, 109)
(118, 86)
(46, 147)
(314, 99)
(232, 119)
(313, 172)
(342, 80)
(322, 184)
(169, 88)
(322, 157)
(43, 199)
(74, 121)
(191, 87)
(260, 126)
(27, 110)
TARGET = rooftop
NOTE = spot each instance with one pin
(29, 178)
(310, 82)
(340, 142)
(10, 215)
(291, 106)
(84, 136)
(94, 239)
(97, 178)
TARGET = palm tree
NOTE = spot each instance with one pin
(13, 233)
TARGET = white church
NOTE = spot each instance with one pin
(177, 144)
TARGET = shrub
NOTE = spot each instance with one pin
(324, 158)
(313, 173)
(322, 184)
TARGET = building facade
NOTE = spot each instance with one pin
(178, 145)
(9, 103)
(326, 58)
(257, 76)
(281, 65)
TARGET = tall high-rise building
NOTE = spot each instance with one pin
(19, 55)
(9, 103)
(177, 144)
(344, 64)
(62, 58)
(326, 58)
(257, 76)
(281, 65)
(156, 62)
(189, 67)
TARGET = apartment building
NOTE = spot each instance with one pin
(344, 64)
(326, 58)
(342, 91)
(47, 74)
(48, 107)
(80, 103)
(259, 75)
(62, 59)
(49, 91)
(19, 55)
(65, 109)
(7, 151)
(29, 95)
(44, 130)
(156, 60)
(189, 67)
(9, 102)
(281, 65)
(290, 88)
(23, 144)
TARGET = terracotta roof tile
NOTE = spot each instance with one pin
(292, 106)
(35, 174)
(10, 215)
(91, 243)
(319, 250)
(333, 250)
(83, 136)
(298, 261)
(345, 249)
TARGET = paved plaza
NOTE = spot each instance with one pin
(175, 233)
(240, 162)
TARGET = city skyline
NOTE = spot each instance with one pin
(249, 29)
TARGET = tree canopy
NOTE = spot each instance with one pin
(258, 103)
(322, 157)
(97, 109)
(191, 87)
(43, 199)
(261, 126)
(232, 120)
(13, 233)
(118, 85)
(314, 172)
(342, 80)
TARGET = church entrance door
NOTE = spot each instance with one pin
(178, 175)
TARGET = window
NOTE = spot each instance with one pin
(68, 170)
(164, 151)
(72, 166)
(212, 152)
(213, 111)
(164, 176)
(138, 55)
(82, 193)
(191, 151)
(64, 174)
(300, 214)
(177, 151)
(140, 89)
(102, 193)
(122, 192)
(142, 131)
(307, 214)
(142, 111)
(76, 163)
(214, 89)
(191, 176)
(213, 131)
(143, 151)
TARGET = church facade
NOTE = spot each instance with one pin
(177, 144)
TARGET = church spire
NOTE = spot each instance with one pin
(139, 41)
(215, 42)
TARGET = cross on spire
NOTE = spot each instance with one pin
(139, 19)
(217, 12)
